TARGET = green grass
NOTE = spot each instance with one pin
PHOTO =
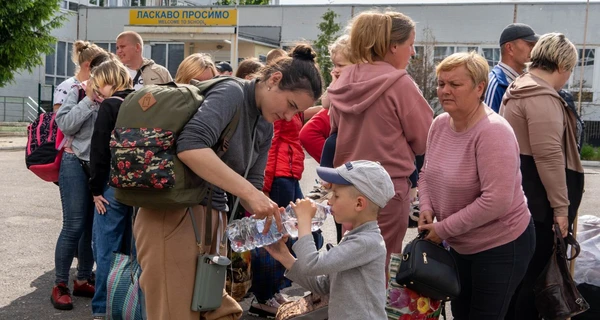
(588, 152)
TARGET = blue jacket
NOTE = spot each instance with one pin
(497, 86)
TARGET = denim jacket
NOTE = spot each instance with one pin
(77, 120)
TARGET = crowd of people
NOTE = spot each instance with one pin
(501, 167)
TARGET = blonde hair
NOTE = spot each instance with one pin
(275, 54)
(476, 66)
(84, 51)
(113, 73)
(132, 36)
(554, 52)
(340, 46)
(373, 32)
(194, 65)
(248, 67)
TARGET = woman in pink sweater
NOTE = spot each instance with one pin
(471, 183)
(378, 111)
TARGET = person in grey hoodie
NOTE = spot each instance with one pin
(75, 118)
(352, 273)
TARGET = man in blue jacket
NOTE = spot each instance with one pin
(516, 42)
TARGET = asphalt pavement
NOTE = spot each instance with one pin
(31, 218)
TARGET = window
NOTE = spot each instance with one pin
(467, 49)
(70, 5)
(108, 46)
(168, 55)
(587, 61)
(492, 55)
(439, 53)
(59, 66)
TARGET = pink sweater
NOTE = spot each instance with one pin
(472, 182)
(379, 115)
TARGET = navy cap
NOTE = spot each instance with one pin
(224, 67)
(516, 31)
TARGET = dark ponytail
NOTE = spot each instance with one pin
(299, 71)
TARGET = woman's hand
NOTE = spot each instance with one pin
(262, 207)
(431, 234)
(563, 223)
(89, 92)
(99, 202)
(425, 217)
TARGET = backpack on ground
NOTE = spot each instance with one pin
(44, 152)
(145, 169)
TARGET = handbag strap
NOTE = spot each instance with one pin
(561, 243)
(237, 199)
(210, 237)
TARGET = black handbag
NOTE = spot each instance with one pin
(556, 295)
(429, 269)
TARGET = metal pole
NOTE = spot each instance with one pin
(587, 9)
(39, 98)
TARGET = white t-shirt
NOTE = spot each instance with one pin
(137, 84)
(61, 91)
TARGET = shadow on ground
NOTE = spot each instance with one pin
(36, 305)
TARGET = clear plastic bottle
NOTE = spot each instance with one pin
(247, 233)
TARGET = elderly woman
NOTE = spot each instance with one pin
(546, 131)
(471, 184)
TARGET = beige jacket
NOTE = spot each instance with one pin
(546, 131)
(153, 73)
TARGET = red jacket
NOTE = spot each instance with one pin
(314, 133)
(286, 157)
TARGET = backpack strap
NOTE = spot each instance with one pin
(139, 74)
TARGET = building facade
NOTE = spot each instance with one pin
(443, 28)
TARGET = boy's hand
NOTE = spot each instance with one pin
(279, 250)
(304, 209)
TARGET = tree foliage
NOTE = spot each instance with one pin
(422, 69)
(329, 32)
(25, 34)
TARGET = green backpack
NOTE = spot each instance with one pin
(145, 169)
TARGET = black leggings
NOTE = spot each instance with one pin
(522, 306)
(489, 278)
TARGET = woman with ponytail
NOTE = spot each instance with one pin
(379, 112)
(165, 239)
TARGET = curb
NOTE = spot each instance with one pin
(589, 163)
(12, 148)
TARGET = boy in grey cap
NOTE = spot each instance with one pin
(353, 272)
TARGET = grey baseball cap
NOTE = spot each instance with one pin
(370, 178)
(516, 31)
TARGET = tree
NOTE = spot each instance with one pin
(422, 69)
(25, 27)
(329, 32)
(241, 2)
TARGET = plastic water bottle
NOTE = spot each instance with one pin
(290, 220)
(247, 233)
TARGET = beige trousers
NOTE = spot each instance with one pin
(167, 253)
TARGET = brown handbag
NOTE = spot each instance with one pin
(556, 295)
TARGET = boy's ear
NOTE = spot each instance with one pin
(361, 203)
